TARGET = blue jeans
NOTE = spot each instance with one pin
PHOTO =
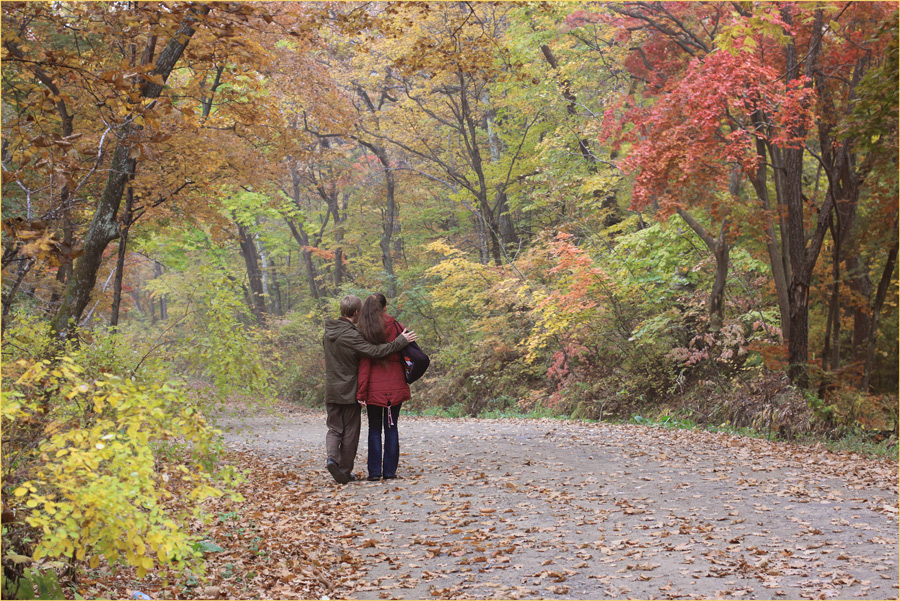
(378, 418)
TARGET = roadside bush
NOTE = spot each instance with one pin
(80, 474)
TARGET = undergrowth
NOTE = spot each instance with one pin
(866, 443)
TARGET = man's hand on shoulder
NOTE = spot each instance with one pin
(410, 336)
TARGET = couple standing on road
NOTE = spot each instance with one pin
(363, 369)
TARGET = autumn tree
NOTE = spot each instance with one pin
(729, 89)
(442, 113)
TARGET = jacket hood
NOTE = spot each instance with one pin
(335, 328)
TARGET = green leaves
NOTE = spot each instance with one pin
(205, 546)
(46, 582)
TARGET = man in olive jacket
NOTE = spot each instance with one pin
(344, 346)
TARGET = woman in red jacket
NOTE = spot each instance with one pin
(382, 388)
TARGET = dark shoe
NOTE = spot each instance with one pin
(352, 477)
(336, 473)
(373, 478)
(390, 477)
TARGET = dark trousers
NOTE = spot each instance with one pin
(383, 418)
(342, 440)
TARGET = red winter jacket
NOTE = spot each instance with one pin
(382, 382)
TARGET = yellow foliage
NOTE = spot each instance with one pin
(94, 486)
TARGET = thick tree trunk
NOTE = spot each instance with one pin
(802, 257)
(103, 229)
(798, 290)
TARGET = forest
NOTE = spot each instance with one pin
(646, 212)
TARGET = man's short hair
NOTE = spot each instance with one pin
(350, 305)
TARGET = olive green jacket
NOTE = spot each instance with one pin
(344, 346)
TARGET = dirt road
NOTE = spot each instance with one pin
(555, 509)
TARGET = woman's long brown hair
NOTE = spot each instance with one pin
(371, 321)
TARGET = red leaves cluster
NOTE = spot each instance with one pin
(702, 111)
(687, 143)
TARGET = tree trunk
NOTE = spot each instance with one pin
(390, 213)
(469, 129)
(802, 257)
(719, 247)
(65, 270)
(102, 231)
(117, 282)
(257, 300)
(390, 223)
(880, 295)
(136, 299)
(484, 255)
(163, 305)
(103, 228)
(302, 239)
(798, 291)
(831, 353)
(338, 265)
(7, 300)
(776, 260)
(508, 236)
(264, 264)
(120, 259)
(839, 161)
(312, 273)
(277, 305)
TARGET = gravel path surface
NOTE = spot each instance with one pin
(514, 508)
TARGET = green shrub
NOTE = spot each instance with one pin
(296, 359)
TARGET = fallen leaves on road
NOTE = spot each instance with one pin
(515, 509)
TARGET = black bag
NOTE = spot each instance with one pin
(415, 361)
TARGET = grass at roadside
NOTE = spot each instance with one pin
(859, 441)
